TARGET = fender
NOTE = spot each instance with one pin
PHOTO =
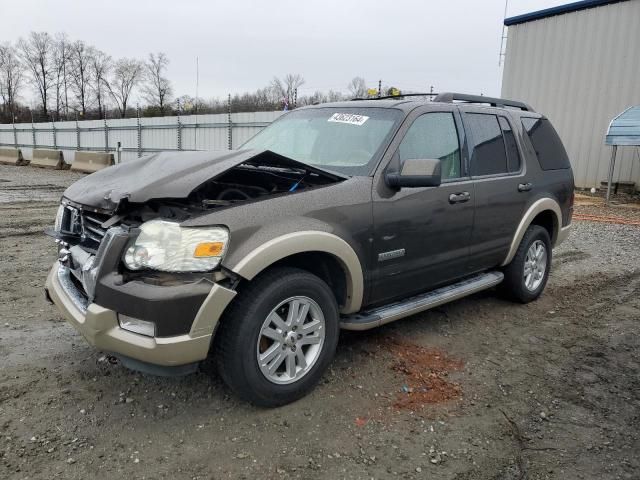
(308, 241)
(537, 207)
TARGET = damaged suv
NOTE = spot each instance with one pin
(346, 215)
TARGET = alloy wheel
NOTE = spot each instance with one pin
(290, 340)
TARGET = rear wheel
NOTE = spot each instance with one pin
(278, 337)
(527, 274)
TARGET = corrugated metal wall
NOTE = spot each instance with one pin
(580, 69)
(201, 132)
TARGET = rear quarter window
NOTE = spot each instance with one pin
(546, 143)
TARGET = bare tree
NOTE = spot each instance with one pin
(157, 92)
(126, 75)
(36, 52)
(357, 87)
(333, 96)
(61, 52)
(80, 58)
(284, 89)
(11, 74)
(313, 99)
(100, 64)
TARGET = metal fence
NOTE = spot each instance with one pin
(133, 137)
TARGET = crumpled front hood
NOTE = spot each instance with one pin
(167, 175)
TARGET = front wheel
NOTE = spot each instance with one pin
(278, 337)
(527, 274)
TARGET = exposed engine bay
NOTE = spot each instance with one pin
(243, 183)
(171, 187)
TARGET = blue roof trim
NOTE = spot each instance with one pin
(625, 128)
(559, 10)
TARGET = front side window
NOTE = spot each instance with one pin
(488, 156)
(346, 140)
(433, 135)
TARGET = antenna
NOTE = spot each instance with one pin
(501, 54)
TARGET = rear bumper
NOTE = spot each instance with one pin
(100, 326)
(563, 234)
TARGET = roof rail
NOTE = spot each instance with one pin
(400, 95)
(494, 102)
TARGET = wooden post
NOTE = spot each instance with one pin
(612, 166)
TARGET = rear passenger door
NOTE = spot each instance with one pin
(501, 185)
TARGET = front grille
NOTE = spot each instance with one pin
(86, 226)
(92, 228)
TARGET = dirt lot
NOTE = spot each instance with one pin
(479, 389)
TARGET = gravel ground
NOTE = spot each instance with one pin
(478, 389)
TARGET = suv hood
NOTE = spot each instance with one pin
(170, 175)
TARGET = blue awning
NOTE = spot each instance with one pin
(625, 128)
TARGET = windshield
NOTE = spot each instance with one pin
(346, 140)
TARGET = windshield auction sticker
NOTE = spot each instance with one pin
(348, 118)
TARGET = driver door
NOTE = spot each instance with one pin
(422, 235)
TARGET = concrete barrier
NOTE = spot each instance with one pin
(90, 162)
(12, 156)
(43, 158)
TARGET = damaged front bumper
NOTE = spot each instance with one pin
(101, 328)
(92, 296)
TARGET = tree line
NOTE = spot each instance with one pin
(71, 79)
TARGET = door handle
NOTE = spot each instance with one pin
(459, 197)
(524, 187)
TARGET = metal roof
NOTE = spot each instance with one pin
(559, 10)
(625, 128)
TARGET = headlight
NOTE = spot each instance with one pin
(57, 226)
(168, 247)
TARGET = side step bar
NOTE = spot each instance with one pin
(394, 311)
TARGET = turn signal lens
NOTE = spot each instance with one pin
(208, 249)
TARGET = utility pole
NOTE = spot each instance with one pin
(229, 124)
(197, 81)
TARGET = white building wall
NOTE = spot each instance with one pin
(580, 69)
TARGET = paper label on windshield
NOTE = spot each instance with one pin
(349, 118)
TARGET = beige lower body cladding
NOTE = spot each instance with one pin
(12, 156)
(43, 158)
(90, 162)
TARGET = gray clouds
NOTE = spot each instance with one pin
(242, 44)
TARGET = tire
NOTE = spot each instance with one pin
(250, 331)
(516, 285)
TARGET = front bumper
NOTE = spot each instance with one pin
(100, 325)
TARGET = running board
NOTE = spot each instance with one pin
(397, 310)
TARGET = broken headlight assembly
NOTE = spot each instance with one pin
(57, 226)
(168, 247)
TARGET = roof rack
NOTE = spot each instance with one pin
(494, 102)
(397, 96)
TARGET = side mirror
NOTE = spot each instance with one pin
(416, 173)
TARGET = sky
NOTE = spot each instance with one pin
(242, 44)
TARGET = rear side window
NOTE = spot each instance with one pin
(513, 156)
(547, 144)
(488, 156)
